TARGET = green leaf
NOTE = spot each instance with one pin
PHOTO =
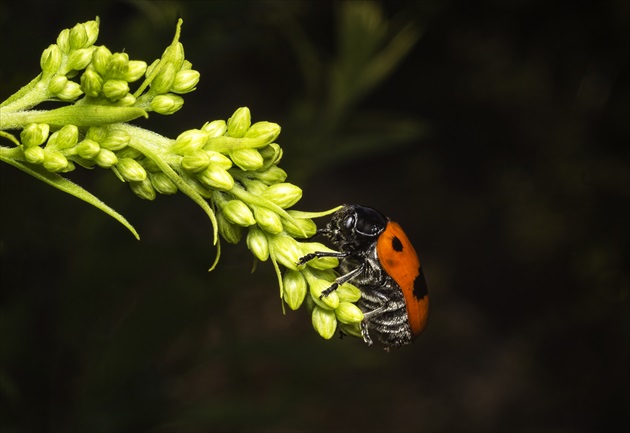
(66, 186)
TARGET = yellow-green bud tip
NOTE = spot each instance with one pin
(247, 159)
(324, 322)
(265, 132)
(167, 104)
(216, 177)
(316, 288)
(285, 250)
(268, 220)
(284, 195)
(239, 123)
(131, 170)
(258, 244)
(34, 134)
(185, 81)
(239, 213)
(348, 313)
(294, 289)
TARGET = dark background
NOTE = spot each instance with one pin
(500, 143)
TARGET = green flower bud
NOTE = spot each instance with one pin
(88, 149)
(80, 59)
(239, 123)
(238, 213)
(316, 287)
(285, 250)
(174, 54)
(265, 132)
(348, 293)
(54, 161)
(294, 288)
(135, 70)
(34, 134)
(257, 243)
(68, 136)
(115, 89)
(106, 158)
(100, 60)
(131, 170)
(34, 155)
(91, 83)
(268, 220)
(91, 29)
(320, 262)
(185, 81)
(65, 138)
(78, 37)
(353, 329)
(216, 128)
(216, 177)
(299, 227)
(272, 175)
(162, 183)
(230, 232)
(50, 60)
(247, 159)
(126, 101)
(283, 194)
(57, 84)
(129, 152)
(220, 159)
(116, 139)
(143, 189)
(96, 133)
(189, 141)
(117, 66)
(272, 154)
(63, 41)
(166, 104)
(70, 92)
(255, 187)
(348, 313)
(164, 80)
(196, 161)
(324, 322)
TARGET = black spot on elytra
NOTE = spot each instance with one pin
(396, 244)
(420, 286)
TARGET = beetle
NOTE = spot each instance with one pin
(376, 255)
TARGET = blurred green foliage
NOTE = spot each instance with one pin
(495, 132)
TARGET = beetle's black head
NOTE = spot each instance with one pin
(354, 228)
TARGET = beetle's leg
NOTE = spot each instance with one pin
(341, 280)
(365, 333)
(318, 254)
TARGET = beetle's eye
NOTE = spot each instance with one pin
(349, 223)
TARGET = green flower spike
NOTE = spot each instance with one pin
(229, 168)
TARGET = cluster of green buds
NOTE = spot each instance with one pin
(105, 76)
(229, 168)
(234, 165)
